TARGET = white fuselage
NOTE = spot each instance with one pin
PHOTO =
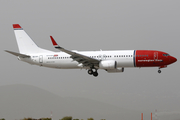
(61, 60)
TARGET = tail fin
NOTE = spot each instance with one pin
(25, 44)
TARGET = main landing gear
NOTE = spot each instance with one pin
(94, 73)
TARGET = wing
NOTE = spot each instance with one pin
(17, 54)
(83, 59)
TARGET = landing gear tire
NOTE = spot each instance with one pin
(159, 71)
(95, 74)
(90, 72)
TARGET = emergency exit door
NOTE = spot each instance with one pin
(40, 59)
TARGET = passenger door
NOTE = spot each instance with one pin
(155, 56)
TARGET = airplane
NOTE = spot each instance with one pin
(113, 61)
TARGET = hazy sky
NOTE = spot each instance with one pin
(94, 25)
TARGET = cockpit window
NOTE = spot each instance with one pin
(166, 55)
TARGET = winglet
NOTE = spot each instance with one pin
(54, 43)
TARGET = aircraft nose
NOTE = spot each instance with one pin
(173, 59)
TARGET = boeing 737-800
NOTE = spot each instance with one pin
(112, 61)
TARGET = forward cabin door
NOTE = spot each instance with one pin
(40, 59)
(155, 56)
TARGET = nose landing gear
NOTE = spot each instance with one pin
(94, 73)
(159, 71)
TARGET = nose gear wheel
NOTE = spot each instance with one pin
(159, 71)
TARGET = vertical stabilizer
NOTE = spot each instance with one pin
(25, 44)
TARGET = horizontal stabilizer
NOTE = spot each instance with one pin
(17, 54)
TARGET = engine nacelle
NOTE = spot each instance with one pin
(108, 64)
(115, 70)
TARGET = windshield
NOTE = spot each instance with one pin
(166, 55)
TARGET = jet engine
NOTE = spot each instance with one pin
(108, 64)
(115, 70)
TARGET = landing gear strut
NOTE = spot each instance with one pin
(94, 73)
